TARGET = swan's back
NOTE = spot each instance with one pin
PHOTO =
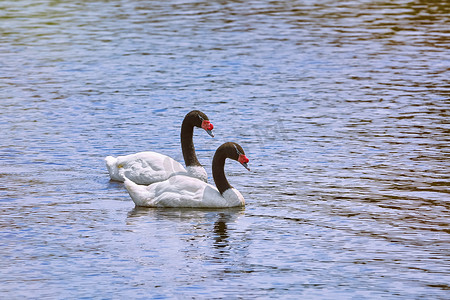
(143, 167)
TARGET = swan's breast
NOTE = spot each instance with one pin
(233, 197)
(197, 172)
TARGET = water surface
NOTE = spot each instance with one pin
(342, 107)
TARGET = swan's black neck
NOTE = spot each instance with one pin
(218, 171)
(187, 145)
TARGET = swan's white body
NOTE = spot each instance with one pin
(149, 167)
(183, 191)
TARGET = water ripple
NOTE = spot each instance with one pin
(342, 108)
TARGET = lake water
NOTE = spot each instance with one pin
(343, 108)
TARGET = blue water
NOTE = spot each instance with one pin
(342, 107)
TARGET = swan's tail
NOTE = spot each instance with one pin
(137, 192)
(111, 165)
(110, 161)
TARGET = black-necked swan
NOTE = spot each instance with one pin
(186, 191)
(150, 167)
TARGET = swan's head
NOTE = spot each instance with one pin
(208, 126)
(201, 120)
(237, 153)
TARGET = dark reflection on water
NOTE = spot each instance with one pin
(342, 107)
(221, 232)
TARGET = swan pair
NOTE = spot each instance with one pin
(156, 180)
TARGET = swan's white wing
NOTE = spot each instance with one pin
(185, 191)
(178, 191)
(143, 167)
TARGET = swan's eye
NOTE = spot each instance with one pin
(207, 125)
(243, 159)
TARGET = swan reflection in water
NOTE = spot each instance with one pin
(221, 231)
(204, 236)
